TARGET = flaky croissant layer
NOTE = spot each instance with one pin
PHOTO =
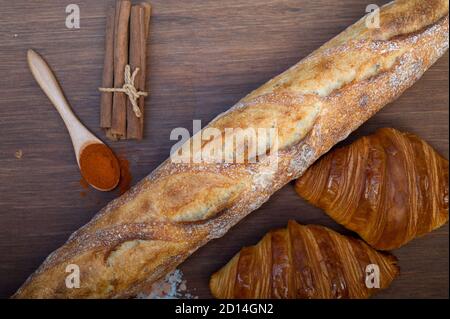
(304, 262)
(389, 187)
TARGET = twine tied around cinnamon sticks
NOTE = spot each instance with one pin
(129, 89)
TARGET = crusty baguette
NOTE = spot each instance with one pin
(146, 233)
(304, 262)
(389, 187)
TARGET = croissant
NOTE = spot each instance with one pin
(304, 262)
(389, 187)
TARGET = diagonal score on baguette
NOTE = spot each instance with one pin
(146, 233)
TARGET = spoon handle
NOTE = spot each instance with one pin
(49, 84)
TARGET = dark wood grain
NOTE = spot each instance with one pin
(204, 56)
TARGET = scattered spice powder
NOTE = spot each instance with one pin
(83, 183)
(99, 166)
(125, 175)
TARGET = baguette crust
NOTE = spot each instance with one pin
(141, 236)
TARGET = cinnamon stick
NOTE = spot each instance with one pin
(119, 109)
(109, 134)
(148, 12)
(108, 71)
(139, 29)
(136, 30)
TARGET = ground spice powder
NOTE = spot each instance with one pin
(125, 176)
(99, 166)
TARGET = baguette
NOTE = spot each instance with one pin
(141, 236)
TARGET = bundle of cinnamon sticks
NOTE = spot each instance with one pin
(127, 30)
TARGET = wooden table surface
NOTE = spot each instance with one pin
(204, 56)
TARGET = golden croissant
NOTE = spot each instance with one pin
(305, 262)
(389, 187)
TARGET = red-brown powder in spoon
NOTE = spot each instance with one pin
(99, 166)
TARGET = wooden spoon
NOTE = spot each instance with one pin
(80, 135)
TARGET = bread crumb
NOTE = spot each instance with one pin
(171, 287)
(18, 154)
